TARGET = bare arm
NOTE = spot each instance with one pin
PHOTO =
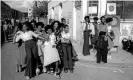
(14, 38)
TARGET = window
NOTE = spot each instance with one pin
(92, 8)
(124, 9)
(78, 4)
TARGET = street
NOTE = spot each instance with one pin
(83, 71)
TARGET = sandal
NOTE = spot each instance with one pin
(27, 77)
(52, 72)
(37, 71)
(44, 70)
(57, 76)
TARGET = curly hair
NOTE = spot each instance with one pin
(40, 24)
(95, 18)
(59, 25)
(86, 17)
(29, 26)
(108, 20)
(48, 27)
(102, 17)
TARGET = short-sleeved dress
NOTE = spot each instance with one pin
(50, 54)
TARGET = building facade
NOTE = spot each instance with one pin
(74, 12)
(7, 12)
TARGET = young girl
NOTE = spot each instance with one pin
(50, 52)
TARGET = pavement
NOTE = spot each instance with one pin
(117, 55)
(84, 70)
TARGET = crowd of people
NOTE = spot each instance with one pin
(6, 30)
(44, 48)
(98, 37)
(49, 49)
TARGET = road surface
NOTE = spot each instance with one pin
(83, 71)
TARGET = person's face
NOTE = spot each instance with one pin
(39, 28)
(5, 22)
(103, 20)
(95, 20)
(109, 24)
(33, 24)
(87, 19)
(49, 31)
(66, 29)
(55, 25)
(64, 21)
(24, 28)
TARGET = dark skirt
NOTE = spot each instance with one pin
(32, 58)
(86, 46)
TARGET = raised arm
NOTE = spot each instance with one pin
(14, 38)
(36, 35)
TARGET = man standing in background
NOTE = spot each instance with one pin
(89, 31)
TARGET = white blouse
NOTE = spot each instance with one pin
(90, 26)
(52, 40)
(26, 36)
(65, 35)
(109, 28)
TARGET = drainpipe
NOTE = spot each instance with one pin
(74, 21)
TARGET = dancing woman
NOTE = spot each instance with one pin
(31, 50)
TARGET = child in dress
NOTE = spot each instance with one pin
(51, 54)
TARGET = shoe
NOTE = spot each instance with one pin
(27, 77)
(52, 72)
(48, 72)
(109, 57)
(71, 71)
(65, 70)
(37, 71)
(44, 70)
(57, 76)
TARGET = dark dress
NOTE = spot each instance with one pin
(86, 46)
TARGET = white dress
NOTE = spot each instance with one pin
(50, 54)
